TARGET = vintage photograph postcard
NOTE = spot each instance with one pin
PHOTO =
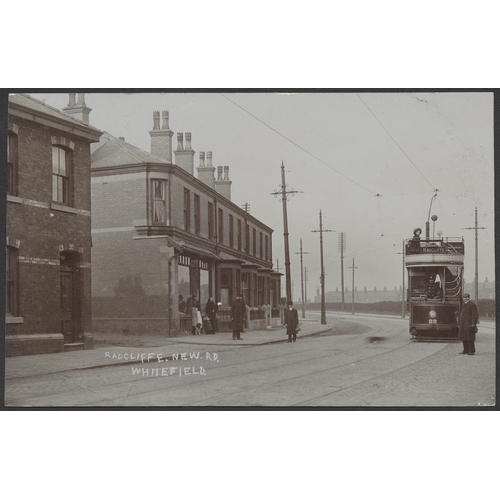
(230, 249)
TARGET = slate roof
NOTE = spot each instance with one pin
(29, 102)
(114, 152)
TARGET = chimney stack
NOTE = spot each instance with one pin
(78, 110)
(161, 139)
(184, 156)
(223, 185)
(206, 173)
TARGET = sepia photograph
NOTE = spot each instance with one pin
(236, 249)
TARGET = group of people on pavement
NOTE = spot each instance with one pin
(191, 306)
(467, 319)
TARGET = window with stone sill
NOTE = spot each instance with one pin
(159, 213)
(187, 209)
(12, 282)
(12, 164)
(197, 214)
(61, 175)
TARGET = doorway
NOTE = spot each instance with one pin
(69, 296)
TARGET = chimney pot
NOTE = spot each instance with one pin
(202, 158)
(226, 173)
(121, 138)
(165, 117)
(188, 140)
(81, 100)
(209, 159)
(156, 120)
(219, 173)
(72, 101)
(180, 140)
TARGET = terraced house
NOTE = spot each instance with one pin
(48, 304)
(159, 232)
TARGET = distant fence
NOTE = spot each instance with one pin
(486, 307)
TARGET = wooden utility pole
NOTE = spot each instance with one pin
(284, 193)
(305, 285)
(476, 284)
(322, 278)
(302, 278)
(403, 308)
(353, 284)
(342, 250)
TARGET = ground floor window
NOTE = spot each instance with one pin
(260, 296)
(12, 273)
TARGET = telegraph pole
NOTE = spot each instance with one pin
(305, 285)
(281, 284)
(302, 278)
(284, 193)
(476, 285)
(322, 278)
(353, 284)
(342, 249)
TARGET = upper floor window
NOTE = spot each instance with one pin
(220, 229)
(231, 231)
(210, 220)
(187, 209)
(254, 241)
(11, 307)
(267, 247)
(61, 175)
(247, 238)
(197, 214)
(12, 164)
(260, 246)
(159, 202)
(239, 236)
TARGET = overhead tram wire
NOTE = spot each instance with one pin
(297, 145)
(395, 142)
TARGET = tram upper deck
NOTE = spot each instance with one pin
(428, 252)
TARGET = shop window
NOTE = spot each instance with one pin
(61, 172)
(245, 279)
(225, 287)
(260, 288)
(159, 202)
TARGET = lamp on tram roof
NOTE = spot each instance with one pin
(434, 218)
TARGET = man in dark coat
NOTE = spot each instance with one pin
(238, 314)
(467, 321)
(291, 322)
(211, 310)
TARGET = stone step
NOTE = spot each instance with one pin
(75, 346)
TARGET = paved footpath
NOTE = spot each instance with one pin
(42, 364)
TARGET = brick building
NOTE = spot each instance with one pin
(159, 232)
(48, 302)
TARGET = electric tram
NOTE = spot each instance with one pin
(435, 280)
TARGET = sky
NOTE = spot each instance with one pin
(371, 162)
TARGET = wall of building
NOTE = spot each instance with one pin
(42, 229)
